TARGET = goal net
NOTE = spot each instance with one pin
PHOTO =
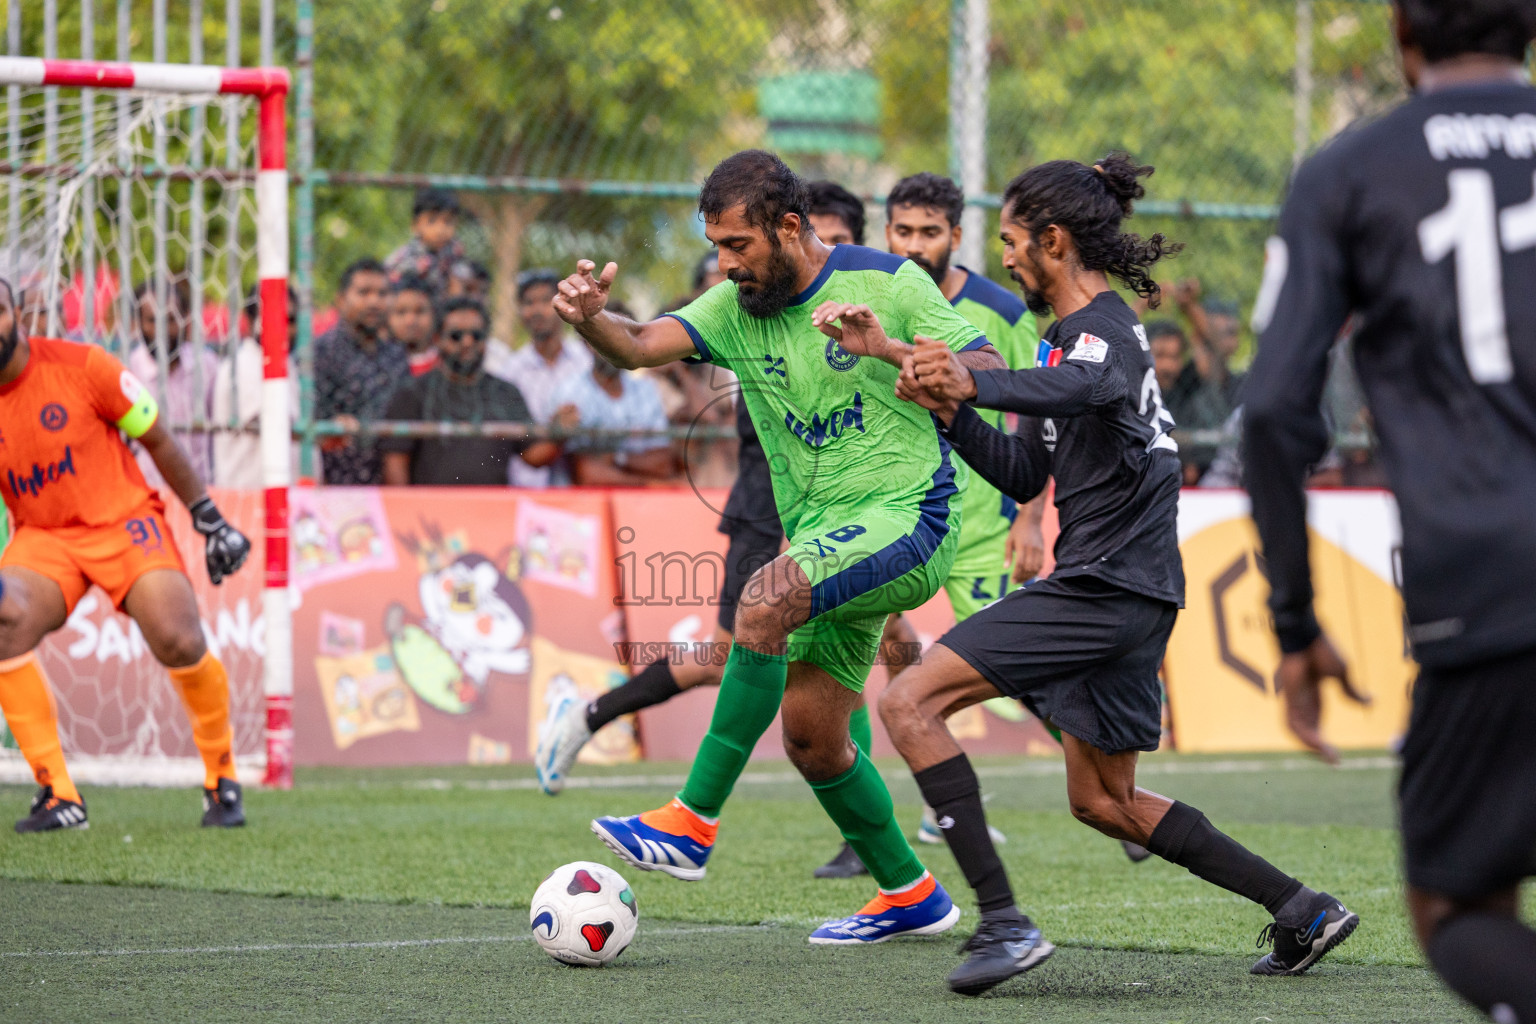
(145, 211)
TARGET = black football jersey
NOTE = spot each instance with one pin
(1095, 421)
(750, 505)
(1423, 226)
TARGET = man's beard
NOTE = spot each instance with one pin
(771, 297)
(464, 367)
(1033, 300)
(8, 345)
(934, 270)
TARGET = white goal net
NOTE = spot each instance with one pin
(130, 222)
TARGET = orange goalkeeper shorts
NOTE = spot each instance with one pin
(112, 557)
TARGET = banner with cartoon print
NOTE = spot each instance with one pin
(431, 622)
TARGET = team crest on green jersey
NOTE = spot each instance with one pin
(838, 358)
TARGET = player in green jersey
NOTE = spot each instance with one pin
(1001, 545)
(867, 495)
(923, 224)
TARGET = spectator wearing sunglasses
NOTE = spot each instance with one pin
(459, 390)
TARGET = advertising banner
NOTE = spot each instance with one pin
(435, 625)
(1223, 654)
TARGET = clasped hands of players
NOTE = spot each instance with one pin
(932, 374)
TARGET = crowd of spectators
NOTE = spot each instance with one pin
(1196, 356)
(409, 338)
(412, 342)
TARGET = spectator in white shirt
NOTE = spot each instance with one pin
(608, 398)
(237, 404)
(186, 393)
(550, 357)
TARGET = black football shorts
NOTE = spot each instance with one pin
(1467, 796)
(1080, 653)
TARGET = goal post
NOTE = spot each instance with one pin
(160, 97)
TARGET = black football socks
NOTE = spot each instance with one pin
(953, 792)
(653, 685)
(1186, 838)
(1486, 959)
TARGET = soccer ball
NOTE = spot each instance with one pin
(584, 914)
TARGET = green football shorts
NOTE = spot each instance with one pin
(864, 564)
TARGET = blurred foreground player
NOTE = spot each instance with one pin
(1423, 227)
(82, 514)
(1082, 648)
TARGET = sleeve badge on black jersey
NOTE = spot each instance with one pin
(1089, 349)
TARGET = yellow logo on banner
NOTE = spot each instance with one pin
(1222, 656)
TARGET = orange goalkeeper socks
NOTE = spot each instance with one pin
(205, 691)
(30, 712)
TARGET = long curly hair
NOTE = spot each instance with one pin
(1089, 203)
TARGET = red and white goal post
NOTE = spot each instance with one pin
(114, 173)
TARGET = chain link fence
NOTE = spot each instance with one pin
(574, 128)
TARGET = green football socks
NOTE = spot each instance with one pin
(862, 732)
(750, 694)
(861, 805)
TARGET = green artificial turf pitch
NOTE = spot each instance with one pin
(402, 895)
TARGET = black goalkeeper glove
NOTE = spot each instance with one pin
(227, 547)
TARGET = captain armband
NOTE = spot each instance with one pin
(144, 411)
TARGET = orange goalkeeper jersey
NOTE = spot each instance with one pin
(63, 461)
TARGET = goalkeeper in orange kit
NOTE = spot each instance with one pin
(81, 513)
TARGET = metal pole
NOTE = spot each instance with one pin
(88, 189)
(1301, 131)
(13, 143)
(973, 135)
(304, 224)
(125, 301)
(233, 282)
(198, 232)
(53, 231)
(957, 52)
(161, 272)
(267, 19)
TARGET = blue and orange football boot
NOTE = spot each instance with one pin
(671, 839)
(922, 908)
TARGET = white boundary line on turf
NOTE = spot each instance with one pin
(1022, 770)
(281, 947)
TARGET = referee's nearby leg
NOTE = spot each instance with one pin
(1480, 949)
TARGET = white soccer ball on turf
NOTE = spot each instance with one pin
(584, 914)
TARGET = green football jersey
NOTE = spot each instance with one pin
(831, 426)
(1011, 328)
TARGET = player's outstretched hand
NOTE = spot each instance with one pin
(227, 548)
(581, 296)
(940, 371)
(858, 330)
(1300, 682)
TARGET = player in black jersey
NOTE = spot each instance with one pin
(1081, 648)
(1423, 227)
